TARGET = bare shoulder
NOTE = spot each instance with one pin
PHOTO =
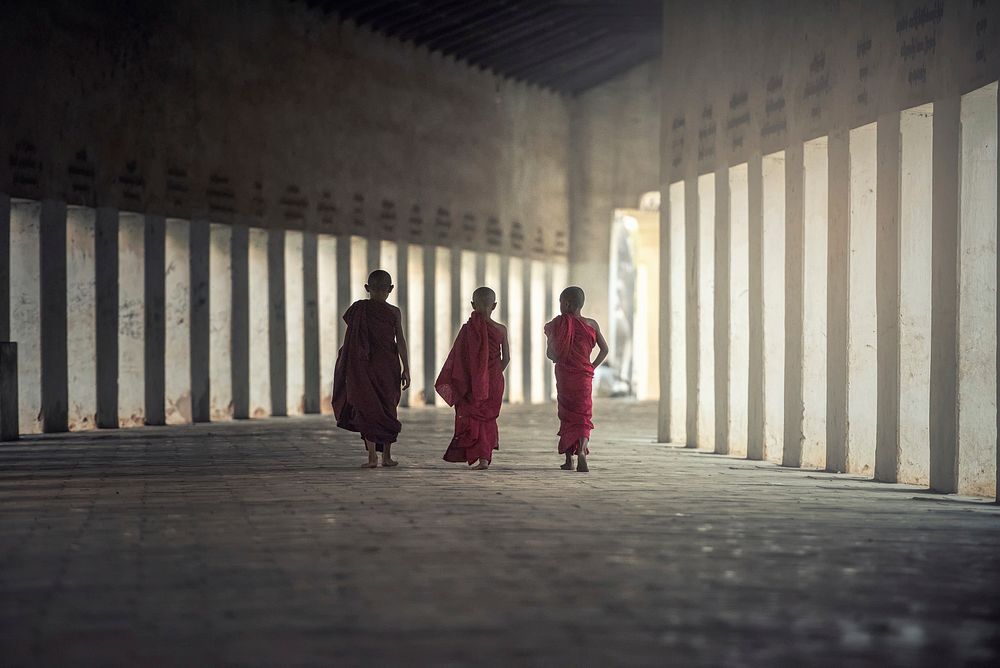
(592, 323)
(396, 313)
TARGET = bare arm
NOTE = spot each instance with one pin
(504, 351)
(602, 344)
(404, 353)
(549, 350)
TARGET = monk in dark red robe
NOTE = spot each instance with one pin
(472, 382)
(570, 340)
(369, 376)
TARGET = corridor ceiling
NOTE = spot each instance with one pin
(565, 45)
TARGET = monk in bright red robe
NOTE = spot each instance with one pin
(372, 370)
(472, 382)
(570, 341)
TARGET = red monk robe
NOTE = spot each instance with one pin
(572, 340)
(366, 380)
(472, 381)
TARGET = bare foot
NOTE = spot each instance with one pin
(481, 466)
(581, 464)
(389, 462)
(568, 466)
(370, 464)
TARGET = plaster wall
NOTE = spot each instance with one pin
(614, 161)
(294, 330)
(260, 349)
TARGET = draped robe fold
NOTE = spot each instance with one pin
(472, 382)
(366, 380)
(573, 340)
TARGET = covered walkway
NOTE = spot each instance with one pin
(261, 542)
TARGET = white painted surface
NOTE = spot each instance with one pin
(515, 329)
(916, 134)
(178, 321)
(816, 204)
(260, 347)
(132, 324)
(739, 308)
(678, 317)
(977, 342)
(295, 394)
(329, 316)
(81, 319)
(706, 311)
(388, 260)
(862, 361)
(560, 281)
(359, 269)
(415, 327)
(536, 345)
(25, 306)
(444, 334)
(220, 341)
(646, 328)
(773, 289)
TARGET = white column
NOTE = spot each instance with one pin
(415, 332)
(560, 281)
(678, 316)
(773, 293)
(329, 316)
(915, 201)
(977, 303)
(816, 206)
(294, 324)
(444, 334)
(260, 347)
(132, 321)
(739, 308)
(220, 301)
(706, 307)
(177, 314)
(536, 345)
(359, 269)
(515, 328)
(467, 284)
(81, 318)
(25, 311)
(862, 358)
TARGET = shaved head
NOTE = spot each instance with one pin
(573, 296)
(484, 297)
(379, 280)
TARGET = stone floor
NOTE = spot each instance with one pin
(263, 543)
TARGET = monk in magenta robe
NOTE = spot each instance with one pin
(570, 341)
(372, 369)
(472, 382)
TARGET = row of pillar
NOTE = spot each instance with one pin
(124, 319)
(833, 305)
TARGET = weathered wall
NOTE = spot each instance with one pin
(771, 80)
(614, 161)
(269, 113)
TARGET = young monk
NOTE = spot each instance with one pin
(368, 380)
(570, 340)
(472, 381)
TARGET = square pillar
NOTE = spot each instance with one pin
(132, 322)
(200, 322)
(259, 315)
(4, 267)
(944, 296)
(310, 323)
(755, 309)
(220, 302)
(691, 253)
(9, 430)
(887, 285)
(277, 334)
(794, 297)
(431, 299)
(721, 312)
(155, 319)
(837, 304)
(665, 321)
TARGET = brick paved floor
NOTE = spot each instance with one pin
(263, 543)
